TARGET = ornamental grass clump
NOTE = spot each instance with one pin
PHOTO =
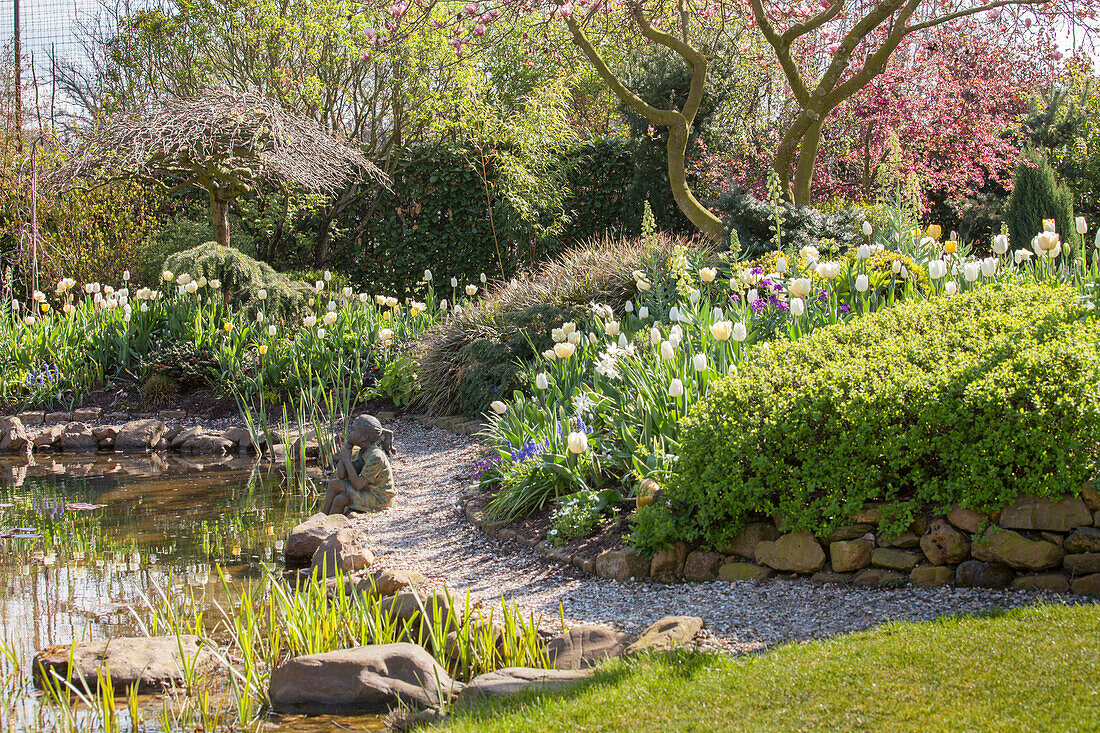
(970, 400)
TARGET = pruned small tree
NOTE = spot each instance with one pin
(227, 143)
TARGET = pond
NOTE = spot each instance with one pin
(85, 540)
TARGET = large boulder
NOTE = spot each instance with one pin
(797, 552)
(303, 541)
(368, 679)
(140, 435)
(1039, 512)
(513, 680)
(388, 582)
(978, 574)
(13, 436)
(942, 544)
(1016, 551)
(744, 544)
(342, 551)
(667, 564)
(733, 571)
(701, 566)
(1083, 563)
(76, 437)
(891, 559)
(968, 520)
(669, 632)
(153, 664)
(49, 437)
(586, 646)
(849, 555)
(622, 564)
(1083, 539)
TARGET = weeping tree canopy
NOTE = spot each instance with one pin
(223, 141)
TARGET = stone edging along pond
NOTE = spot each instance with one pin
(1034, 544)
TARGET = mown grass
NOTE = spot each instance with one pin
(1029, 669)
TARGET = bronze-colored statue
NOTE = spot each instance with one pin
(364, 478)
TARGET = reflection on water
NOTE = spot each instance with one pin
(84, 540)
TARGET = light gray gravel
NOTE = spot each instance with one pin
(426, 531)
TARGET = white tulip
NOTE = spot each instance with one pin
(721, 330)
(937, 269)
(272, 330)
(484, 279)
(126, 273)
(1081, 225)
(862, 283)
(676, 388)
(798, 307)
(443, 304)
(629, 307)
(864, 252)
(471, 290)
(1021, 255)
(694, 298)
(612, 328)
(319, 285)
(259, 316)
(1000, 244)
(800, 287)
(309, 321)
(674, 314)
(385, 336)
(568, 327)
(578, 443)
(668, 351)
(643, 285)
(574, 338)
(454, 282)
(643, 312)
(989, 266)
(332, 305)
(427, 276)
(498, 407)
(740, 331)
(320, 333)
(564, 350)
(1047, 244)
(828, 270)
(781, 265)
(951, 288)
(895, 266)
(707, 274)
(542, 381)
(753, 295)
(330, 318)
(654, 336)
(810, 253)
(391, 302)
(971, 271)
(1049, 226)
(867, 230)
(623, 342)
(699, 361)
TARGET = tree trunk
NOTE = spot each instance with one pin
(219, 219)
(807, 159)
(699, 215)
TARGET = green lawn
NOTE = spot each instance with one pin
(1036, 669)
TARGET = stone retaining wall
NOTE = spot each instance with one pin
(1034, 544)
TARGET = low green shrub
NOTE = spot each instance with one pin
(242, 278)
(752, 219)
(969, 400)
(182, 362)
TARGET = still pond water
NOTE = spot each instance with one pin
(84, 540)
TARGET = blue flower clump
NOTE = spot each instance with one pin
(43, 375)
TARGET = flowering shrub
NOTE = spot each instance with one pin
(577, 516)
(942, 402)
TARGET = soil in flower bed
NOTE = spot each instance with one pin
(533, 529)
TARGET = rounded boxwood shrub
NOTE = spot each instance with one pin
(969, 400)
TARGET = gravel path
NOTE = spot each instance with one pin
(426, 531)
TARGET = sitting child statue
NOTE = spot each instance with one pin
(364, 479)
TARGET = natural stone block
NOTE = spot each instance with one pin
(1038, 512)
(744, 544)
(875, 577)
(744, 571)
(1081, 540)
(87, 414)
(13, 436)
(968, 520)
(55, 417)
(172, 414)
(849, 555)
(885, 557)
(1088, 585)
(77, 437)
(1083, 563)
(32, 418)
(826, 577)
(513, 680)
(152, 664)
(140, 435)
(942, 544)
(304, 539)
(907, 540)
(1055, 582)
(871, 513)
(586, 646)
(930, 576)
(700, 566)
(668, 562)
(797, 552)
(669, 632)
(978, 574)
(1016, 551)
(850, 532)
(622, 564)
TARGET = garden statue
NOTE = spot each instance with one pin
(364, 479)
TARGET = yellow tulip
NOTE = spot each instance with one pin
(263, 349)
(228, 327)
(950, 246)
(935, 231)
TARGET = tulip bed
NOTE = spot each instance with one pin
(611, 404)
